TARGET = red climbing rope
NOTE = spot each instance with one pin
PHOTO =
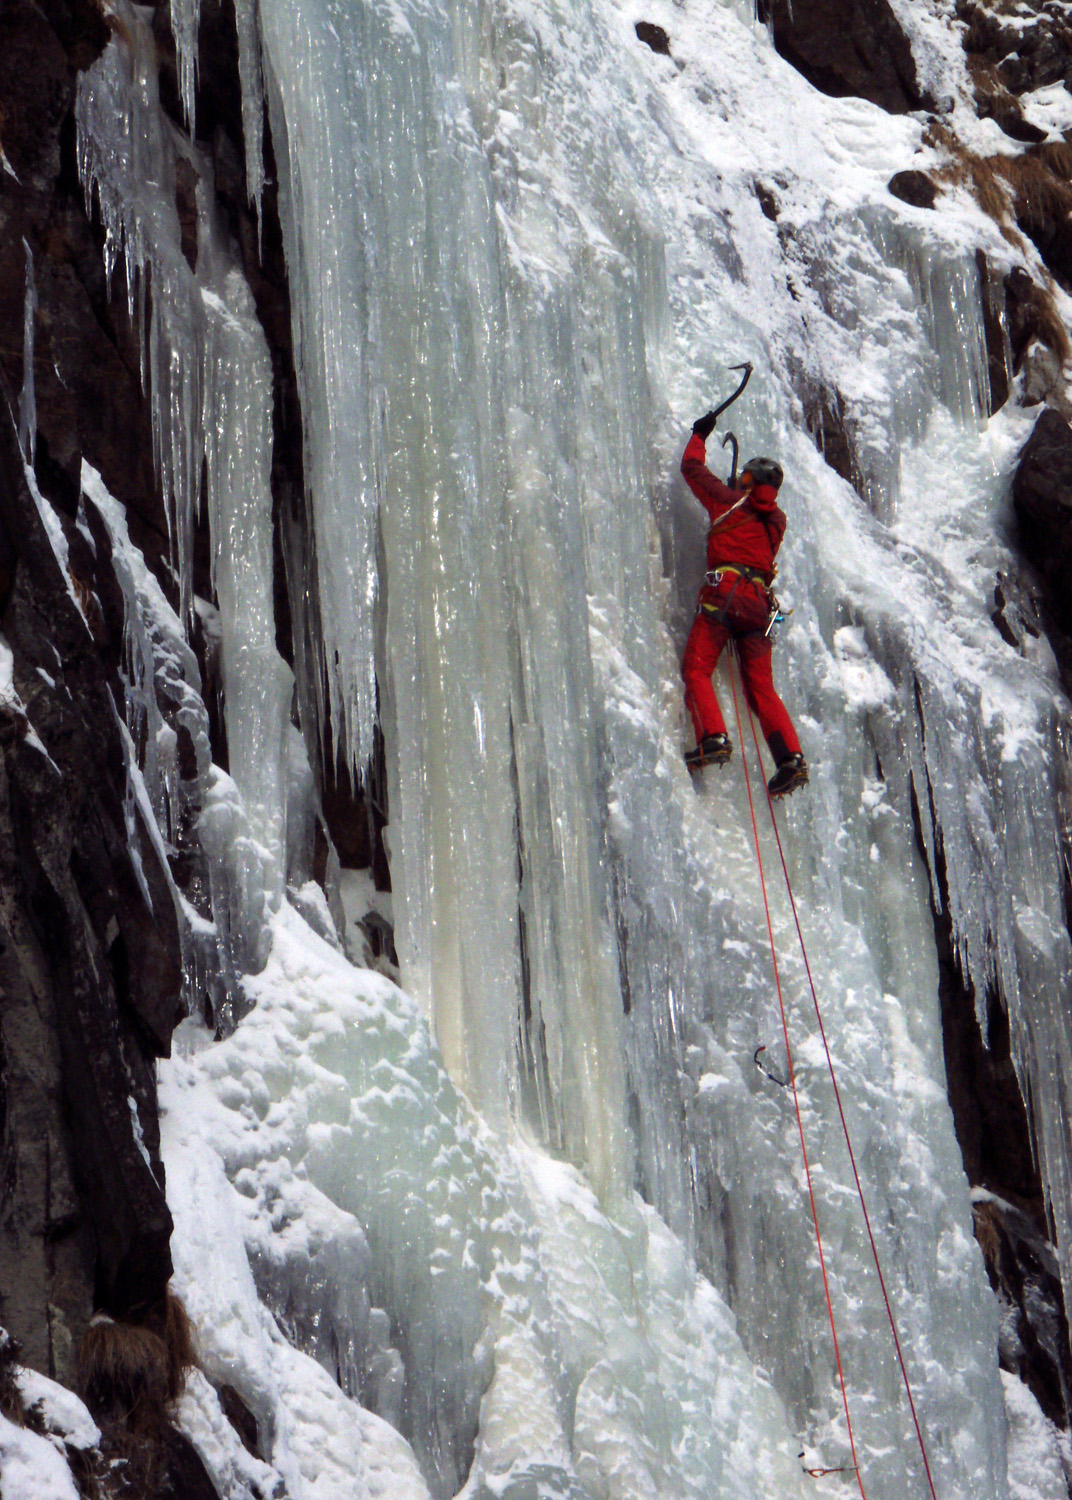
(796, 1098)
(837, 1091)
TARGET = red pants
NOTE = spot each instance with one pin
(746, 620)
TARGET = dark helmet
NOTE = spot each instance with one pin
(765, 471)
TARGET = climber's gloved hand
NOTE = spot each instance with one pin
(705, 426)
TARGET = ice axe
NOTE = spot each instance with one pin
(730, 436)
(745, 378)
(706, 424)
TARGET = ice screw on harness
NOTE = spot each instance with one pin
(777, 615)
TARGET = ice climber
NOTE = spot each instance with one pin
(742, 541)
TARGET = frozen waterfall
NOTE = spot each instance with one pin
(537, 1210)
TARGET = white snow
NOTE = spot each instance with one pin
(58, 1408)
(328, 1110)
(31, 1467)
(7, 675)
(1040, 1459)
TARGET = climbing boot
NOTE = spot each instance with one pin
(713, 749)
(791, 773)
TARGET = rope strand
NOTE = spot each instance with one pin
(841, 1112)
(796, 1097)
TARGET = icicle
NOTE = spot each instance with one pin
(28, 396)
(252, 81)
(313, 63)
(162, 698)
(185, 19)
(210, 388)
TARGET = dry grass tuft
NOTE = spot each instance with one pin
(1036, 190)
(988, 1233)
(132, 1373)
(1025, 190)
(1057, 156)
(181, 1341)
(123, 1371)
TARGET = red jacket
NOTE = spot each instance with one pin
(753, 534)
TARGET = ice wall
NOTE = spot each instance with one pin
(208, 375)
(522, 250)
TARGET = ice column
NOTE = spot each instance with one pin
(209, 378)
(27, 396)
(316, 76)
(395, 249)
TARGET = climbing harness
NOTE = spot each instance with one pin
(720, 612)
(792, 1085)
(742, 570)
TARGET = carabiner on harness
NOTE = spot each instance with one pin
(778, 616)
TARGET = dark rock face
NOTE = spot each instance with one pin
(915, 188)
(833, 439)
(84, 344)
(89, 948)
(848, 47)
(1026, 1279)
(1042, 494)
(653, 36)
(1011, 1222)
(1029, 47)
(91, 954)
(993, 296)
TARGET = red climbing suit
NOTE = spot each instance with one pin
(750, 538)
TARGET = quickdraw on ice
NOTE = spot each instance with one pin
(821, 1473)
(783, 1083)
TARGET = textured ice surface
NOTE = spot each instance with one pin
(163, 699)
(523, 249)
(535, 1327)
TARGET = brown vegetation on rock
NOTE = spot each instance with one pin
(131, 1373)
(123, 1373)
